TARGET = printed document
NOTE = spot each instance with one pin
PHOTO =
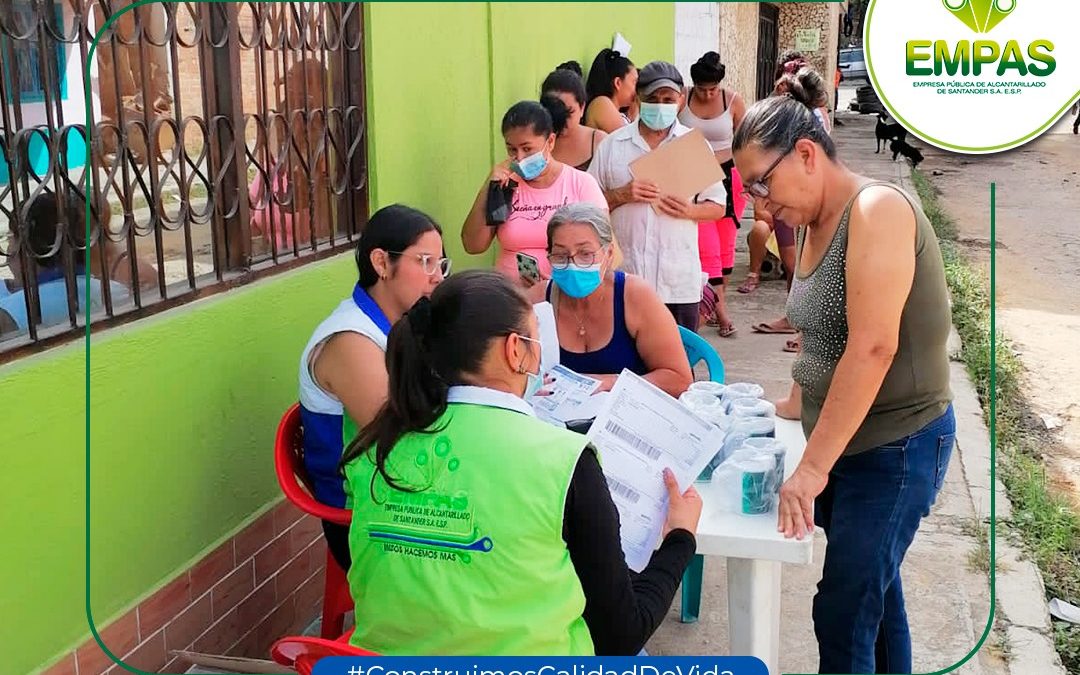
(640, 432)
(568, 397)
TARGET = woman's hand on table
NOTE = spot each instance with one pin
(788, 409)
(684, 508)
(796, 507)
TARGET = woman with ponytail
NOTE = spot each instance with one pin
(399, 258)
(477, 529)
(611, 91)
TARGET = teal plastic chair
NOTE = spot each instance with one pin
(697, 350)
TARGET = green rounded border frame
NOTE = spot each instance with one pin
(936, 142)
(993, 333)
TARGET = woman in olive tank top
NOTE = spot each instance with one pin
(870, 300)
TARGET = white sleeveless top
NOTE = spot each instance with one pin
(718, 130)
(346, 318)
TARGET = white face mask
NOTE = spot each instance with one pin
(535, 380)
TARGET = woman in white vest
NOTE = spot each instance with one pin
(342, 374)
(478, 529)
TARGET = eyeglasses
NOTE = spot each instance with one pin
(429, 263)
(561, 261)
(760, 188)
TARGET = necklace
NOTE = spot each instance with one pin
(581, 324)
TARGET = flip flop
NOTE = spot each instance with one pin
(728, 330)
(750, 284)
(772, 330)
(792, 346)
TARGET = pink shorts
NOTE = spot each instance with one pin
(716, 238)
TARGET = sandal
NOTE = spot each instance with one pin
(728, 330)
(773, 329)
(792, 346)
(751, 283)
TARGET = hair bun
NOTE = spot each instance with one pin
(711, 59)
(572, 66)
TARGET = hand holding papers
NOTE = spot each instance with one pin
(567, 398)
(640, 433)
(681, 168)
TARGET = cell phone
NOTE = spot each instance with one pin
(528, 267)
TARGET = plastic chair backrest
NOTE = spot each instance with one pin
(698, 349)
(302, 653)
(291, 475)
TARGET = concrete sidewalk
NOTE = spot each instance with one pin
(947, 595)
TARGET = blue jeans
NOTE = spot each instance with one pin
(870, 510)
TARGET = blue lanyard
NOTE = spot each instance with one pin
(369, 307)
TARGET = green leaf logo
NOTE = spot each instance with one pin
(980, 15)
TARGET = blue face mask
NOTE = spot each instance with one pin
(530, 167)
(577, 282)
(534, 381)
(659, 116)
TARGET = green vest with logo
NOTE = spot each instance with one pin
(474, 562)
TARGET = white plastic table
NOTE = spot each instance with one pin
(754, 552)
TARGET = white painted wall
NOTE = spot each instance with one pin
(697, 30)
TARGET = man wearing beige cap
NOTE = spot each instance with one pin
(659, 244)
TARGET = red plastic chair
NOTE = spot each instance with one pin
(294, 482)
(302, 653)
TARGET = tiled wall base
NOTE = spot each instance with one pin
(264, 583)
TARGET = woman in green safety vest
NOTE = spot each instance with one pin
(478, 529)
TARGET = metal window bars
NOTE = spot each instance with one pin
(221, 142)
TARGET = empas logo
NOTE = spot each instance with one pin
(980, 15)
(995, 78)
(967, 58)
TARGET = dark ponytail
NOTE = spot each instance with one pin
(437, 344)
(608, 65)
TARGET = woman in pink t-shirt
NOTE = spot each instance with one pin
(543, 184)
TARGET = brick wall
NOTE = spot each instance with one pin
(264, 583)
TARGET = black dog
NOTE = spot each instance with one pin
(900, 147)
(886, 132)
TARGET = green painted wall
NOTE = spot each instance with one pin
(184, 405)
(183, 412)
(527, 53)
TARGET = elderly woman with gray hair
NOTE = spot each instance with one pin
(607, 320)
(869, 297)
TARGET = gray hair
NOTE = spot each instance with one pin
(585, 214)
(777, 122)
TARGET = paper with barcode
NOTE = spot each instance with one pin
(640, 432)
(566, 396)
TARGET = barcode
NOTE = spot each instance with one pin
(649, 449)
(623, 490)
